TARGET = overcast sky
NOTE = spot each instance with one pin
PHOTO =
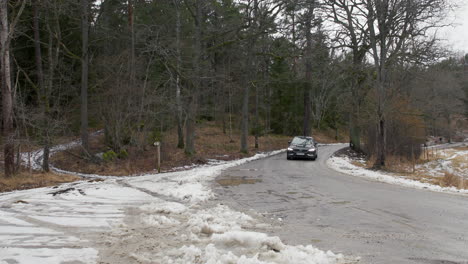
(457, 35)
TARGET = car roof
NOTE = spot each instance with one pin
(303, 137)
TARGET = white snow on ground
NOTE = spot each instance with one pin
(47, 255)
(451, 160)
(344, 165)
(159, 218)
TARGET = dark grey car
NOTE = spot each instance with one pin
(302, 148)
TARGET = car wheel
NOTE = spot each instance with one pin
(314, 158)
(288, 158)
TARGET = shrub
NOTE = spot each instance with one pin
(450, 180)
(123, 154)
(109, 155)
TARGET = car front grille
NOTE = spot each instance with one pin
(300, 150)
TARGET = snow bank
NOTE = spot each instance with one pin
(344, 165)
(216, 235)
(454, 161)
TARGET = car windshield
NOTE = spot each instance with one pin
(306, 142)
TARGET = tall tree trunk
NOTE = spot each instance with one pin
(381, 132)
(180, 132)
(41, 93)
(354, 127)
(7, 97)
(249, 76)
(308, 70)
(193, 105)
(84, 75)
(379, 50)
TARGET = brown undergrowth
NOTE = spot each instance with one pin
(27, 180)
(413, 169)
(211, 143)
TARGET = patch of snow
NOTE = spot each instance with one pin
(344, 165)
(453, 161)
(47, 255)
(164, 208)
(158, 220)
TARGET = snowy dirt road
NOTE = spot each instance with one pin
(381, 222)
(162, 218)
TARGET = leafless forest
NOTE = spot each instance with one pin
(137, 69)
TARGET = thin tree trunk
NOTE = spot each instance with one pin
(7, 98)
(245, 119)
(84, 75)
(131, 19)
(251, 69)
(193, 105)
(37, 49)
(308, 69)
(41, 93)
(257, 122)
(180, 132)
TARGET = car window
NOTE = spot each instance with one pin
(302, 141)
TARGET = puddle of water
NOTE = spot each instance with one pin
(235, 181)
(437, 261)
(342, 202)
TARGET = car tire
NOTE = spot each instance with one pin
(314, 158)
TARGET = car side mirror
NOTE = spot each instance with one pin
(289, 142)
(315, 144)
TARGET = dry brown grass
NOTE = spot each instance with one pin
(404, 167)
(26, 180)
(451, 180)
(210, 143)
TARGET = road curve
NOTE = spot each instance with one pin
(381, 223)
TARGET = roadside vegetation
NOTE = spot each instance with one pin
(444, 167)
(33, 179)
(212, 143)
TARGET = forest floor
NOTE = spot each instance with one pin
(212, 146)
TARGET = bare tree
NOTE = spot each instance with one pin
(352, 34)
(7, 98)
(6, 32)
(397, 32)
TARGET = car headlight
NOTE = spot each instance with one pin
(312, 150)
(290, 149)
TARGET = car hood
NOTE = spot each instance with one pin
(300, 147)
